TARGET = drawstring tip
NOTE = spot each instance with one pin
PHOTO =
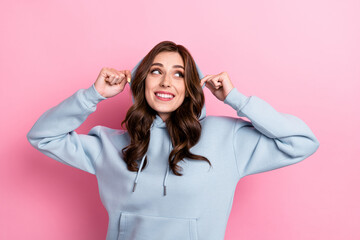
(134, 187)
(164, 190)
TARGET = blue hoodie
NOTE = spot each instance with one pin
(155, 204)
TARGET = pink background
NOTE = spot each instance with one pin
(302, 57)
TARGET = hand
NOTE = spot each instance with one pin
(219, 85)
(111, 82)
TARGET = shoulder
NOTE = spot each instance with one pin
(224, 123)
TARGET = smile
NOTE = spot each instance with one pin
(164, 97)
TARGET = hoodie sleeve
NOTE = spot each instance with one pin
(54, 132)
(271, 140)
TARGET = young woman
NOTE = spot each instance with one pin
(172, 173)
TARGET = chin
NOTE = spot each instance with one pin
(163, 107)
(164, 111)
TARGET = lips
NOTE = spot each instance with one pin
(162, 92)
(164, 96)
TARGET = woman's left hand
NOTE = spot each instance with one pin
(219, 85)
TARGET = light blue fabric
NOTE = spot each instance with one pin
(197, 205)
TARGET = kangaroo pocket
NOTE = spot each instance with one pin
(143, 227)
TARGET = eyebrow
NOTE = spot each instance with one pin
(175, 66)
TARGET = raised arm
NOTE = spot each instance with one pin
(54, 132)
(271, 139)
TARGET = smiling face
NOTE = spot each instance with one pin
(165, 83)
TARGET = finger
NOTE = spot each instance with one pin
(216, 82)
(119, 78)
(111, 78)
(211, 82)
(115, 78)
(112, 75)
(128, 75)
(106, 73)
(122, 84)
(204, 79)
(210, 87)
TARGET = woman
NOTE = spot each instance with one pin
(173, 172)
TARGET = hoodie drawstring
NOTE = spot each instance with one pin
(142, 162)
(137, 174)
(167, 170)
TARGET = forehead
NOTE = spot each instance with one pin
(168, 59)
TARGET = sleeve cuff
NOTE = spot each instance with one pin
(236, 99)
(92, 96)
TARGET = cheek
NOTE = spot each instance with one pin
(148, 89)
(149, 84)
(181, 88)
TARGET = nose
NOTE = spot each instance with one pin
(165, 81)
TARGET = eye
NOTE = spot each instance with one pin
(178, 72)
(155, 69)
(181, 75)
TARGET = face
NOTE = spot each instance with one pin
(165, 83)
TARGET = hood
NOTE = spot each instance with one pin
(159, 123)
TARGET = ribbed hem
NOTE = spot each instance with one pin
(236, 99)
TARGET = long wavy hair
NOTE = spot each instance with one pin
(183, 124)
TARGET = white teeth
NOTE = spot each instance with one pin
(164, 95)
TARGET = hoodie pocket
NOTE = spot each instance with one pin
(143, 227)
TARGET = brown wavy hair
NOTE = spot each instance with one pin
(183, 124)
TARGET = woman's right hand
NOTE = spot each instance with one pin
(111, 82)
